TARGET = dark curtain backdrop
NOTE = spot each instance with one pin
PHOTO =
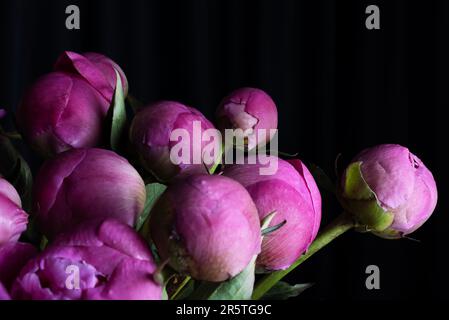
(339, 88)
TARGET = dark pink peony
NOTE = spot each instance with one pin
(248, 109)
(13, 256)
(389, 190)
(150, 134)
(207, 226)
(293, 194)
(13, 220)
(86, 184)
(106, 261)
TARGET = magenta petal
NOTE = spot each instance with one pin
(13, 256)
(77, 63)
(81, 123)
(150, 134)
(293, 194)
(8, 191)
(248, 108)
(420, 205)
(29, 287)
(4, 295)
(129, 243)
(39, 111)
(131, 280)
(108, 67)
(87, 184)
(13, 220)
(314, 192)
(387, 170)
(284, 246)
(61, 111)
(48, 184)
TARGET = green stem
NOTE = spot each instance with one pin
(181, 286)
(336, 228)
(13, 135)
(218, 160)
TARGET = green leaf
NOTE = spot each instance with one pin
(118, 126)
(153, 248)
(9, 157)
(283, 291)
(23, 183)
(16, 170)
(164, 294)
(238, 288)
(13, 135)
(154, 191)
(44, 243)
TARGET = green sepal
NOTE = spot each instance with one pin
(283, 291)
(358, 199)
(118, 113)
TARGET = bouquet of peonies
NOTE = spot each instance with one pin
(166, 205)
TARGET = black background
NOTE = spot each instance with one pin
(339, 88)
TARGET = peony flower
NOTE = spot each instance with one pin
(68, 108)
(13, 256)
(248, 109)
(293, 194)
(62, 111)
(98, 70)
(207, 226)
(389, 191)
(13, 220)
(151, 132)
(4, 295)
(106, 261)
(86, 184)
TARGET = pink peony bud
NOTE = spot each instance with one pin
(150, 133)
(13, 220)
(248, 109)
(67, 108)
(207, 226)
(293, 194)
(97, 69)
(86, 184)
(62, 111)
(389, 191)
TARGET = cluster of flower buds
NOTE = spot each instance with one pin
(89, 203)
